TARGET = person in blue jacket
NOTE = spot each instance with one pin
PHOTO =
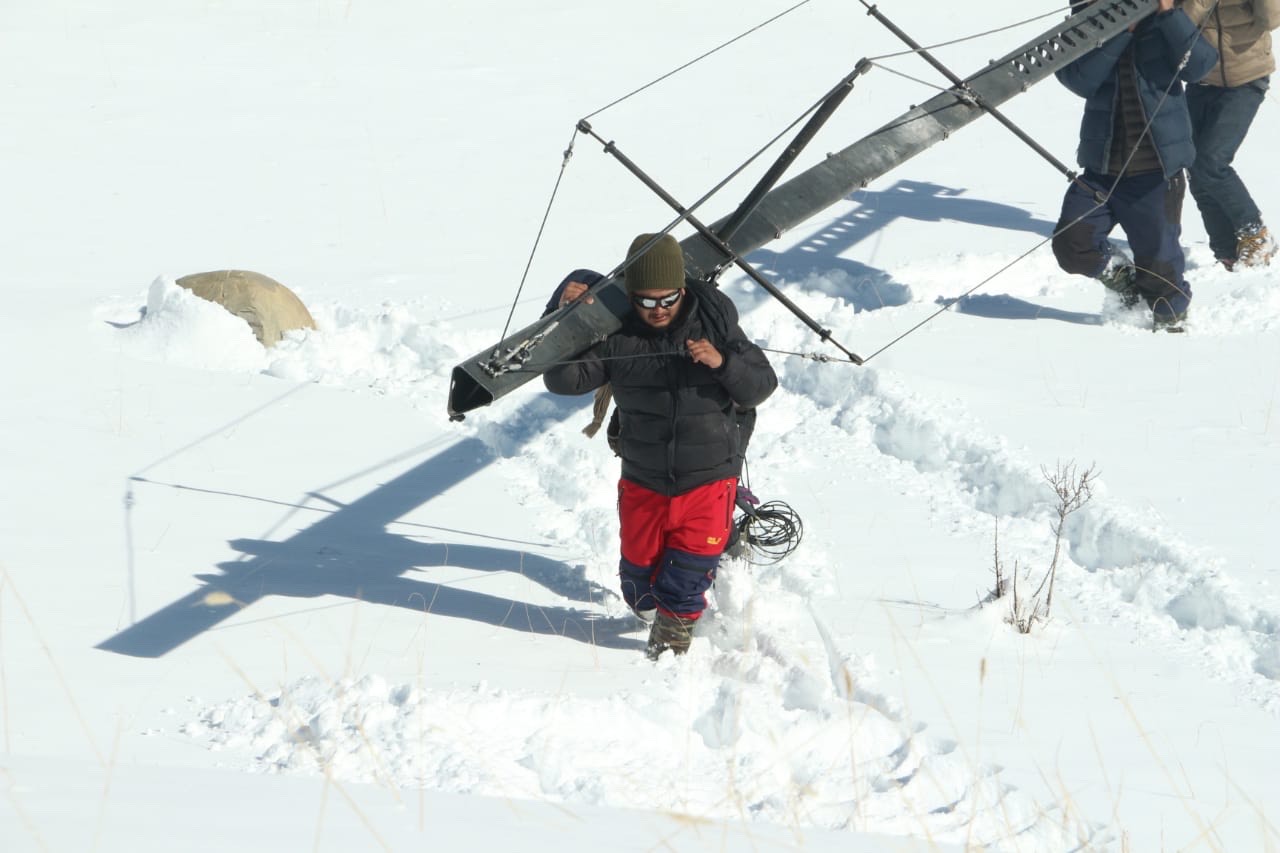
(1135, 143)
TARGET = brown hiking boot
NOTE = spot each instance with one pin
(1254, 246)
(669, 632)
(1119, 277)
(1173, 323)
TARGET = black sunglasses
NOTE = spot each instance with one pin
(657, 301)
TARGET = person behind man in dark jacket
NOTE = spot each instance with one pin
(1222, 107)
(680, 368)
(1135, 142)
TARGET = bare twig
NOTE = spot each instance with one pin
(1072, 490)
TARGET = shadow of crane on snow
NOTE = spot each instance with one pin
(817, 260)
(351, 553)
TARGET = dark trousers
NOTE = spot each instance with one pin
(1149, 211)
(1220, 118)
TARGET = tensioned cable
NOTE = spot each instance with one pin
(537, 240)
(696, 60)
(1052, 12)
(906, 76)
(660, 354)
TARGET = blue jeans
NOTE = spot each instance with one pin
(1220, 118)
(1149, 210)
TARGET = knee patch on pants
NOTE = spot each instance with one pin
(1077, 251)
(682, 582)
(637, 585)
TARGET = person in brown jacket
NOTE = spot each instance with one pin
(1222, 106)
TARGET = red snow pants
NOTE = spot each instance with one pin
(671, 546)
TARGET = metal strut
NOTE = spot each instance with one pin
(730, 224)
(965, 93)
(715, 240)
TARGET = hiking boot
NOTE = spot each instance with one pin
(1227, 263)
(1130, 298)
(1254, 246)
(669, 632)
(1171, 323)
(1120, 276)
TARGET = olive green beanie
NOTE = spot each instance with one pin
(660, 268)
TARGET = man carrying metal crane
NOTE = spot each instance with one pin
(680, 368)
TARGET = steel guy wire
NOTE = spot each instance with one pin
(537, 240)
(696, 60)
(1056, 11)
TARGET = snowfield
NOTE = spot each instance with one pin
(274, 599)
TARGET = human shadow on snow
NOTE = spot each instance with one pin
(1005, 307)
(351, 553)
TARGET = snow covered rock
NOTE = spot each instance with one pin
(270, 308)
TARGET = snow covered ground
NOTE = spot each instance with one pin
(274, 599)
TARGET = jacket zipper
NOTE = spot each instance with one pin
(1222, 56)
(672, 382)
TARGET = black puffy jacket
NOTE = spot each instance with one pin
(677, 424)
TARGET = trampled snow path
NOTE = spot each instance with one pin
(761, 724)
(1118, 567)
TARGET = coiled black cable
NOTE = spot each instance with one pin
(767, 533)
